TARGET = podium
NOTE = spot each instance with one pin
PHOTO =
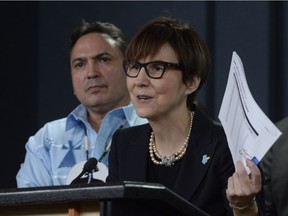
(126, 198)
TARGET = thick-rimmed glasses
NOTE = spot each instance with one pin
(154, 69)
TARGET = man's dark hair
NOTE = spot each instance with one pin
(102, 28)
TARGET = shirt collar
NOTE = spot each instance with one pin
(79, 114)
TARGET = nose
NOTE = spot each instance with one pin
(93, 70)
(142, 79)
(143, 72)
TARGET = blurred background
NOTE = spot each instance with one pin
(34, 64)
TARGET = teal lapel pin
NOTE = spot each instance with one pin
(205, 159)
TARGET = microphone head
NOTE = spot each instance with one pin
(81, 172)
(90, 164)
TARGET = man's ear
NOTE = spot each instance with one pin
(193, 85)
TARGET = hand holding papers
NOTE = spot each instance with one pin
(249, 132)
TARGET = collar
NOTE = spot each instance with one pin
(79, 114)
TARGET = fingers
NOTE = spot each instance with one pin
(255, 172)
(255, 176)
(241, 186)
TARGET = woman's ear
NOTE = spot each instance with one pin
(193, 85)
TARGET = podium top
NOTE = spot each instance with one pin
(97, 192)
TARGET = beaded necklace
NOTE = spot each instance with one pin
(168, 161)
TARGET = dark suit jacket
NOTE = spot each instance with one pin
(203, 184)
(275, 168)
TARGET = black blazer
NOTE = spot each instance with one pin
(203, 184)
(275, 168)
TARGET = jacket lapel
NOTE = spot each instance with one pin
(196, 161)
(139, 150)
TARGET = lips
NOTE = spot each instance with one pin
(143, 97)
(94, 87)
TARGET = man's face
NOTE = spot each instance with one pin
(97, 73)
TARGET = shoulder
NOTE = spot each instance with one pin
(134, 131)
(132, 136)
(279, 146)
(206, 125)
(57, 125)
(126, 139)
(283, 125)
(50, 129)
(210, 136)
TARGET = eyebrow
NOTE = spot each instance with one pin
(100, 55)
(97, 56)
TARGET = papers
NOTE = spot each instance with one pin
(249, 132)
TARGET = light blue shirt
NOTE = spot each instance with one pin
(59, 145)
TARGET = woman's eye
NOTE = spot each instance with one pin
(135, 66)
(157, 67)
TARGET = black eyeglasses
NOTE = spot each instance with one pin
(154, 69)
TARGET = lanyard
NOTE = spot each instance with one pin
(108, 146)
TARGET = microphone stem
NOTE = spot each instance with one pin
(89, 177)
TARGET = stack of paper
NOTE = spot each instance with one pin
(249, 132)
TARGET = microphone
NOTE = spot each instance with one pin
(88, 168)
(90, 165)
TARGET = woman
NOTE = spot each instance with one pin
(166, 65)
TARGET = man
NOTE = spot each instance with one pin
(99, 83)
(275, 172)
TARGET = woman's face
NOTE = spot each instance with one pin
(154, 98)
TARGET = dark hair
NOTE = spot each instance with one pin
(192, 52)
(102, 28)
